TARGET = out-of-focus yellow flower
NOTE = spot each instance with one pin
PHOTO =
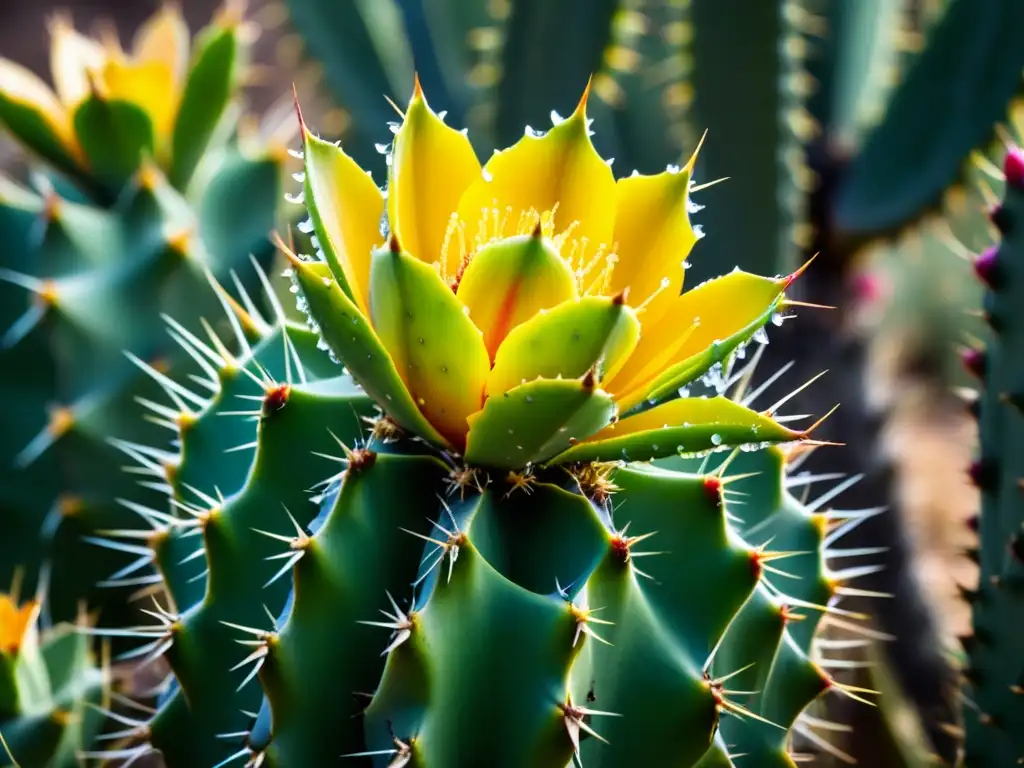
(533, 293)
(150, 76)
(15, 623)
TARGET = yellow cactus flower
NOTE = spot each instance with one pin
(150, 76)
(15, 623)
(529, 307)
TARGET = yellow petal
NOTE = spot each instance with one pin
(23, 88)
(72, 56)
(713, 311)
(509, 281)
(431, 166)
(346, 207)
(560, 168)
(164, 38)
(147, 85)
(653, 239)
(14, 623)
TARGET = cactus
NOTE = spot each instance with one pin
(993, 713)
(49, 689)
(142, 187)
(505, 469)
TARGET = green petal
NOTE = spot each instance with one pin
(437, 350)
(571, 339)
(115, 137)
(349, 335)
(509, 281)
(536, 420)
(211, 84)
(686, 425)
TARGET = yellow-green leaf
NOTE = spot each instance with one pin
(593, 333)
(349, 335)
(437, 350)
(687, 425)
(536, 420)
(727, 310)
(345, 207)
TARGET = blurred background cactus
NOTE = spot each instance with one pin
(141, 179)
(869, 124)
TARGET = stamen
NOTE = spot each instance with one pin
(453, 225)
(604, 277)
(665, 283)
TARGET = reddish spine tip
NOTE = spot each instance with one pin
(973, 523)
(986, 267)
(756, 566)
(538, 231)
(1013, 168)
(867, 288)
(1017, 547)
(983, 474)
(393, 243)
(620, 548)
(275, 399)
(713, 490)
(974, 361)
(1000, 217)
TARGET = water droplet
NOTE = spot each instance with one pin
(716, 439)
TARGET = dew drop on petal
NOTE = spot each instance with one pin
(716, 439)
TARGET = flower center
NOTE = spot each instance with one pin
(592, 265)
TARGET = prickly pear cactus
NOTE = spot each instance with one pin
(502, 534)
(50, 689)
(149, 189)
(994, 714)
